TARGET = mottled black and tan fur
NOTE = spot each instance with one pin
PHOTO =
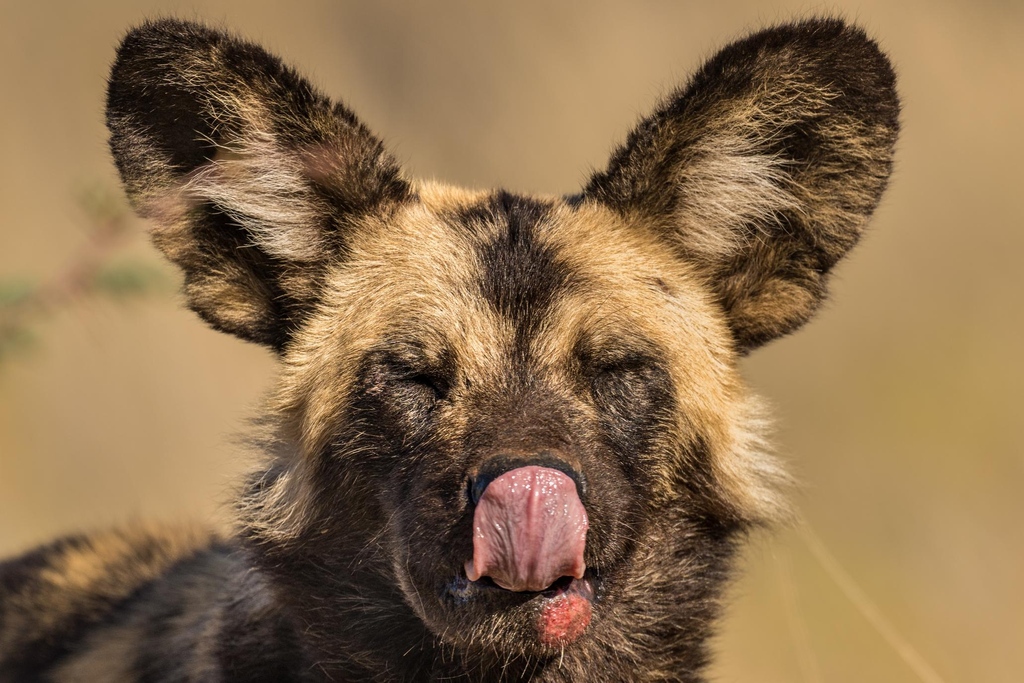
(424, 329)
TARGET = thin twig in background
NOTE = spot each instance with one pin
(92, 271)
(797, 624)
(913, 659)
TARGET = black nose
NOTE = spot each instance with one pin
(500, 464)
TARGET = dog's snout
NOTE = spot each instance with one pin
(494, 467)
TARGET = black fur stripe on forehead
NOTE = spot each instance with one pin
(521, 274)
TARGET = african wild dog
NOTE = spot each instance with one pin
(509, 440)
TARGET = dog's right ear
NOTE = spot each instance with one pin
(763, 171)
(252, 178)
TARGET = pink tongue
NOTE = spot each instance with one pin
(529, 530)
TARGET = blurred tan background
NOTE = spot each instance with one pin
(900, 407)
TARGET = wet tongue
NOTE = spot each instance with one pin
(529, 530)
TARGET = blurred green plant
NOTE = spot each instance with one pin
(96, 270)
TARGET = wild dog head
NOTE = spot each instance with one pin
(512, 422)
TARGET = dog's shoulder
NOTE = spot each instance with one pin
(138, 603)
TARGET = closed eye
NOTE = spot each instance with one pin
(409, 379)
(621, 378)
(437, 386)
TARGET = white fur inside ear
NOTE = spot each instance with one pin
(727, 187)
(265, 188)
(731, 187)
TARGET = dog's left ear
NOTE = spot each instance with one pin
(253, 179)
(763, 171)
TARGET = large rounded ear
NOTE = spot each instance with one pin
(251, 177)
(763, 170)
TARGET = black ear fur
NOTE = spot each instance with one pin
(250, 175)
(764, 169)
